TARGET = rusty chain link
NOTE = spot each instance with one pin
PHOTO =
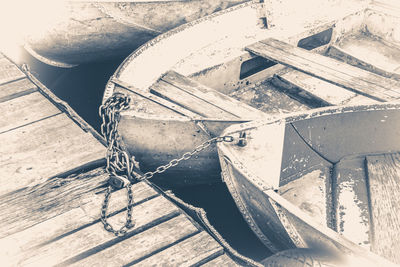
(119, 163)
(121, 167)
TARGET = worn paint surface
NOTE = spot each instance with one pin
(216, 60)
(343, 196)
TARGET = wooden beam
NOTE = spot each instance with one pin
(222, 260)
(33, 153)
(16, 89)
(188, 101)
(304, 86)
(328, 69)
(228, 104)
(154, 100)
(25, 110)
(144, 244)
(384, 189)
(92, 239)
(9, 71)
(188, 252)
(57, 209)
(32, 205)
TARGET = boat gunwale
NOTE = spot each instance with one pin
(109, 89)
(253, 4)
(313, 113)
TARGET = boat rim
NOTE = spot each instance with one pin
(109, 89)
(313, 113)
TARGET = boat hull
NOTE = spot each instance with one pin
(92, 31)
(155, 142)
(219, 60)
(334, 134)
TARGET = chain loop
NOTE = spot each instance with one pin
(121, 166)
(119, 163)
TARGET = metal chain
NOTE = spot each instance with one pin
(121, 167)
(119, 163)
(187, 155)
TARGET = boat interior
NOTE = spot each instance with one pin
(351, 60)
(343, 170)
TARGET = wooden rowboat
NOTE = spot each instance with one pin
(250, 62)
(86, 30)
(322, 179)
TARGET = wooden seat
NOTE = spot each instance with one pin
(201, 99)
(328, 69)
(304, 86)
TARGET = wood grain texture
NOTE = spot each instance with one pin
(148, 103)
(75, 201)
(25, 110)
(142, 245)
(384, 189)
(15, 89)
(351, 200)
(269, 98)
(328, 69)
(93, 238)
(9, 71)
(228, 104)
(186, 253)
(222, 260)
(188, 101)
(31, 154)
(311, 88)
(33, 205)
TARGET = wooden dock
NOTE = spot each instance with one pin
(52, 183)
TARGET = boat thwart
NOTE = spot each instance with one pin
(185, 90)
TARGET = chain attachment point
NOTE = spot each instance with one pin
(121, 166)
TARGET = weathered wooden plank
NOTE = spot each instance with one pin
(188, 101)
(33, 205)
(308, 87)
(142, 245)
(351, 200)
(222, 260)
(384, 189)
(312, 201)
(229, 104)
(89, 240)
(186, 253)
(154, 104)
(78, 208)
(31, 154)
(269, 98)
(9, 71)
(25, 110)
(328, 69)
(15, 89)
